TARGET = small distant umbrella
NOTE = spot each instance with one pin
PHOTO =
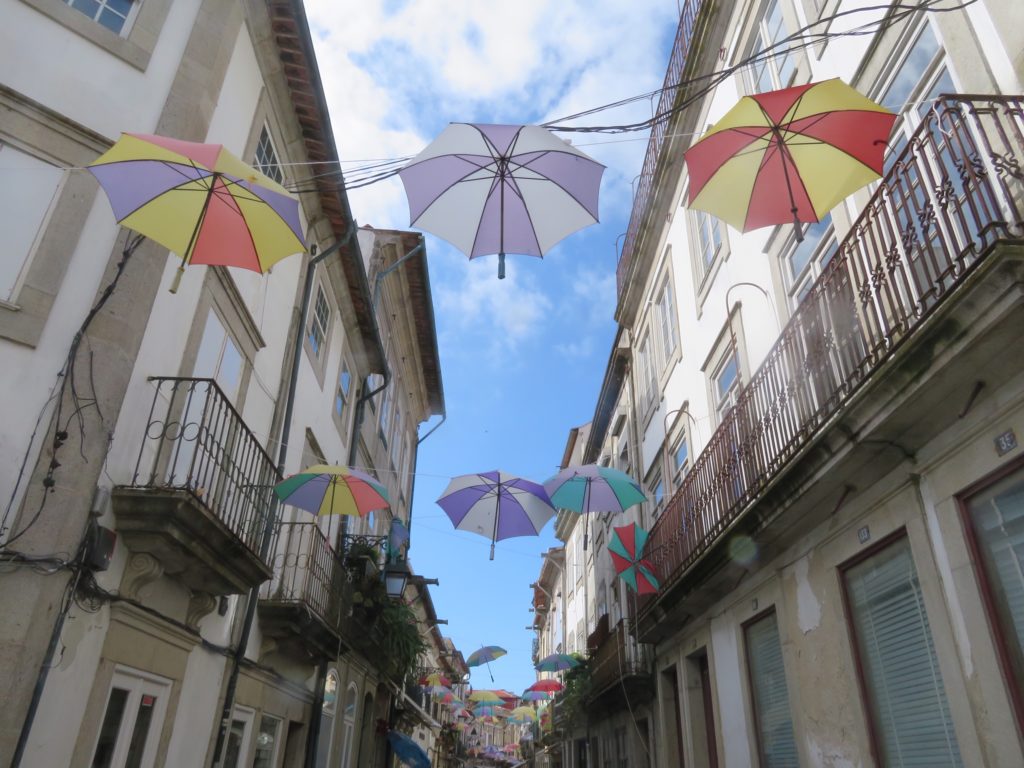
(549, 686)
(626, 548)
(408, 751)
(592, 488)
(556, 662)
(496, 505)
(527, 712)
(439, 691)
(435, 678)
(331, 490)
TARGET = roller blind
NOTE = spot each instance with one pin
(776, 744)
(906, 697)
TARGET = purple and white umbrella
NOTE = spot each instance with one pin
(501, 189)
(496, 505)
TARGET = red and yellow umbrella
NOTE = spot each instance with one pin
(788, 156)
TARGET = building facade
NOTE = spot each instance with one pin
(826, 422)
(159, 608)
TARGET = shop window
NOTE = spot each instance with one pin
(132, 720)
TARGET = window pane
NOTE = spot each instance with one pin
(911, 71)
(803, 251)
(229, 373)
(726, 376)
(682, 454)
(266, 157)
(266, 742)
(997, 517)
(770, 694)
(108, 731)
(140, 732)
(233, 750)
(907, 700)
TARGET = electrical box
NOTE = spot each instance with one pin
(99, 548)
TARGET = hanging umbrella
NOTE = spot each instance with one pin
(328, 490)
(529, 695)
(527, 712)
(788, 156)
(435, 678)
(485, 655)
(501, 189)
(439, 692)
(407, 750)
(548, 686)
(199, 201)
(593, 488)
(556, 662)
(626, 548)
(486, 697)
(496, 505)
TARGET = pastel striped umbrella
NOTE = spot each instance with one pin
(535, 696)
(485, 697)
(556, 662)
(592, 488)
(330, 490)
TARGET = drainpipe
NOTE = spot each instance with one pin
(271, 518)
(415, 463)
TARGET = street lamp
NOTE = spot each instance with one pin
(396, 577)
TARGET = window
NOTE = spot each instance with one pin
(219, 358)
(666, 313)
(770, 694)
(349, 720)
(645, 369)
(26, 198)
(708, 239)
(773, 63)
(112, 14)
(681, 458)
(385, 407)
(132, 720)
(323, 747)
(344, 386)
(656, 489)
(267, 742)
(266, 157)
(996, 520)
(727, 383)
(319, 324)
(236, 749)
(805, 260)
(905, 697)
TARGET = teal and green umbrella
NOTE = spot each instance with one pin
(556, 662)
(329, 490)
(626, 548)
(592, 488)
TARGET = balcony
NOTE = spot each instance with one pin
(201, 491)
(919, 305)
(300, 608)
(620, 671)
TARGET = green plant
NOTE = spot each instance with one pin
(571, 702)
(400, 638)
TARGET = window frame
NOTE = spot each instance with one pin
(275, 751)
(751, 689)
(270, 165)
(863, 689)
(704, 270)
(798, 285)
(1014, 689)
(135, 681)
(129, 18)
(318, 359)
(759, 37)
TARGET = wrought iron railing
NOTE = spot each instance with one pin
(196, 441)
(617, 657)
(666, 103)
(956, 189)
(306, 571)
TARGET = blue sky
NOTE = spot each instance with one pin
(522, 359)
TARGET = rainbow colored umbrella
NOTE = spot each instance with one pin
(626, 548)
(485, 655)
(199, 201)
(535, 696)
(788, 156)
(527, 712)
(329, 490)
(485, 697)
(434, 678)
(556, 662)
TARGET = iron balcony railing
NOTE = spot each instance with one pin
(306, 571)
(666, 103)
(617, 657)
(955, 190)
(196, 441)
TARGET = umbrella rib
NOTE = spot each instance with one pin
(177, 187)
(546, 177)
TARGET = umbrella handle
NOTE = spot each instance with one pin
(501, 266)
(177, 278)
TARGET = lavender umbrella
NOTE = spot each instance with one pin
(501, 189)
(496, 505)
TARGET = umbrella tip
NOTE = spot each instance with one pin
(501, 266)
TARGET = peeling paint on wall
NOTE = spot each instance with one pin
(828, 756)
(808, 608)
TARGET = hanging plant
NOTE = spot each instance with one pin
(400, 638)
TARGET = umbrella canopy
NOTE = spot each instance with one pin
(626, 548)
(556, 662)
(593, 488)
(501, 189)
(548, 686)
(496, 505)
(440, 692)
(408, 751)
(328, 490)
(485, 697)
(435, 678)
(485, 655)
(527, 712)
(199, 201)
(788, 156)
(529, 695)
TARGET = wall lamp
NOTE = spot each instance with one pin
(396, 577)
